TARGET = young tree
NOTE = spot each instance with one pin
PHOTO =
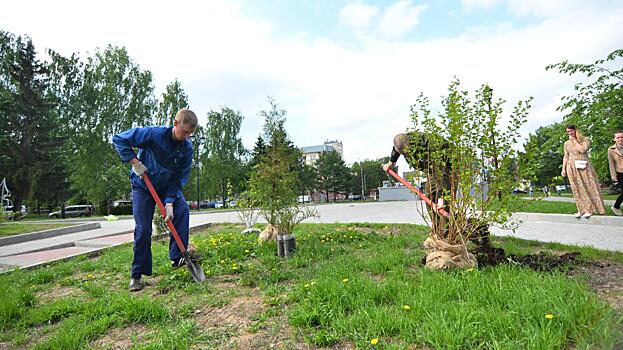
(597, 106)
(173, 99)
(466, 140)
(333, 174)
(225, 149)
(273, 180)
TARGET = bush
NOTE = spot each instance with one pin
(122, 210)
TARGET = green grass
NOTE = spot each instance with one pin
(347, 284)
(16, 228)
(549, 207)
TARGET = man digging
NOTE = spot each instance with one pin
(165, 153)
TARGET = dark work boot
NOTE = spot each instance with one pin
(136, 284)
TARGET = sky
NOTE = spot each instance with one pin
(343, 70)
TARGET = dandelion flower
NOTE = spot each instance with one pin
(374, 341)
(406, 307)
(345, 280)
(307, 285)
(313, 282)
(549, 316)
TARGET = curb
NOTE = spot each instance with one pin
(4, 268)
(570, 219)
(4, 241)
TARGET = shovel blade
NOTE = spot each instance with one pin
(195, 271)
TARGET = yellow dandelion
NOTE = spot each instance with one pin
(406, 307)
(234, 267)
(313, 282)
(246, 250)
(307, 285)
(90, 275)
(374, 341)
(322, 241)
(549, 316)
(345, 280)
(470, 269)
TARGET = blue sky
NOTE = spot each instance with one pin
(443, 18)
(345, 70)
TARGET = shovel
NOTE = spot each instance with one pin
(194, 269)
(434, 206)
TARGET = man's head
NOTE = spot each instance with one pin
(184, 124)
(401, 143)
(618, 137)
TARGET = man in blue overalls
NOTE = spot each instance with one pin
(165, 153)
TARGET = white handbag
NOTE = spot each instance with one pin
(581, 164)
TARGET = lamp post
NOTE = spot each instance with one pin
(198, 141)
(363, 196)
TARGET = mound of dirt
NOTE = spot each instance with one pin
(487, 255)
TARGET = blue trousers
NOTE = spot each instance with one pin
(143, 206)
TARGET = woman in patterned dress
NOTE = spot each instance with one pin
(581, 173)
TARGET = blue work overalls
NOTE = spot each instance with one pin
(168, 163)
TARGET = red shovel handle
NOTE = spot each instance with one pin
(154, 194)
(427, 200)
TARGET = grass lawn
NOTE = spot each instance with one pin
(16, 228)
(348, 286)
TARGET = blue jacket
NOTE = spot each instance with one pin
(168, 161)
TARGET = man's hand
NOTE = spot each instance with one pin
(563, 173)
(387, 165)
(139, 169)
(168, 208)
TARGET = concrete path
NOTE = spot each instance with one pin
(602, 232)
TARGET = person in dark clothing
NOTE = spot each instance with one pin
(615, 164)
(165, 153)
(419, 151)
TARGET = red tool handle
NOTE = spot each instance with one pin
(154, 194)
(427, 200)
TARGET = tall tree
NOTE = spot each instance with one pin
(333, 174)
(115, 95)
(173, 99)
(225, 149)
(597, 106)
(541, 159)
(370, 178)
(28, 116)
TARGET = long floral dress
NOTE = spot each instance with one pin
(584, 184)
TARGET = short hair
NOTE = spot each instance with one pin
(618, 132)
(402, 143)
(187, 117)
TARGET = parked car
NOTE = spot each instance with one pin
(518, 191)
(74, 211)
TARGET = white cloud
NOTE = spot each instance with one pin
(357, 15)
(480, 4)
(400, 18)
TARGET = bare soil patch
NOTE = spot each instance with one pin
(605, 278)
(122, 338)
(57, 292)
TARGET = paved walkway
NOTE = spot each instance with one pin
(602, 232)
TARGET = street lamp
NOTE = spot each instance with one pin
(198, 141)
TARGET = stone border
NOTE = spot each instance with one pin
(96, 250)
(25, 237)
